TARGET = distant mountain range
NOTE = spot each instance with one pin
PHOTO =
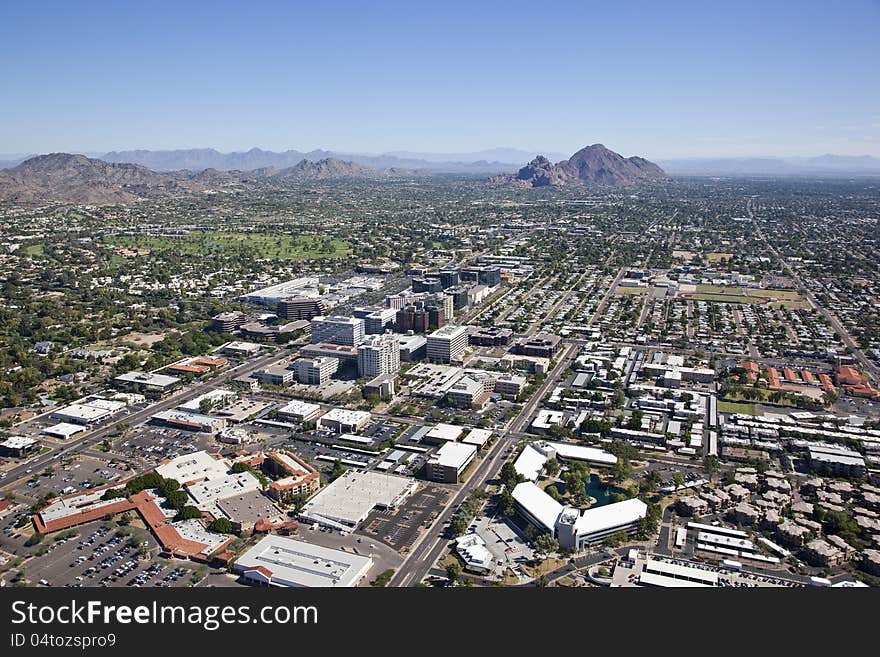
(486, 162)
(208, 158)
(62, 177)
(823, 165)
(593, 165)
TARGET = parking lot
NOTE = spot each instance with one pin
(102, 555)
(155, 444)
(399, 528)
(69, 476)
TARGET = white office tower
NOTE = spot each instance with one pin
(338, 330)
(379, 355)
(446, 343)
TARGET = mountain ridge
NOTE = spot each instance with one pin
(591, 165)
(65, 177)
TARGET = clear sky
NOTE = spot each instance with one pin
(658, 78)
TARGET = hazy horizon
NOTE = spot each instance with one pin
(439, 155)
(686, 80)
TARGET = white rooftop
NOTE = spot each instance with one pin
(530, 462)
(346, 416)
(584, 453)
(352, 496)
(83, 412)
(193, 467)
(288, 562)
(299, 408)
(611, 515)
(445, 432)
(477, 437)
(538, 504)
(20, 442)
(453, 455)
(214, 396)
(147, 378)
(206, 493)
(63, 429)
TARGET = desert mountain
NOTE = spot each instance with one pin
(593, 165)
(66, 178)
(61, 177)
(322, 169)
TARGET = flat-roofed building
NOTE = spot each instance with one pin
(576, 529)
(207, 493)
(284, 562)
(229, 321)
(189, 421)
(316, 371)
(378, 355)
(542, 345)
(447, 343)
(81, 414)
(493, 336)
(836, 461)
(343, 352)
(412, 347)
(338, 330)
(447, 463)
(63, 430)
(19, 446)
(379, 321)
(237, 348)
(146, 382)
(301, 307)
(346, 501)
(276, 375)
(382, 386)
(443, 433)
(510, 385)
(192, 468)
(469, 391)
(479, 438)
(299, 411)
(343, 420)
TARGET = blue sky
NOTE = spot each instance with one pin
(660, 79)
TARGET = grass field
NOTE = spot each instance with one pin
(720, 289)
(736, 407)
(727, 298)
(34, 250)
(631, 290)
(782, 295)
(718, 257)
(258, 245)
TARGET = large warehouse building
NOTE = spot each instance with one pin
(346, 502)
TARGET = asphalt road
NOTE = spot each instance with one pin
(138, 417)
(866, 364)
(430, 546)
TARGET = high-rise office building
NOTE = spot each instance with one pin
(338, 330)
(447, 343)
(378, 355)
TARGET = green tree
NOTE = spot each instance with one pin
(545, 544)
(221, 526)
(188, 513)
(453, 571)
(338, 470)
